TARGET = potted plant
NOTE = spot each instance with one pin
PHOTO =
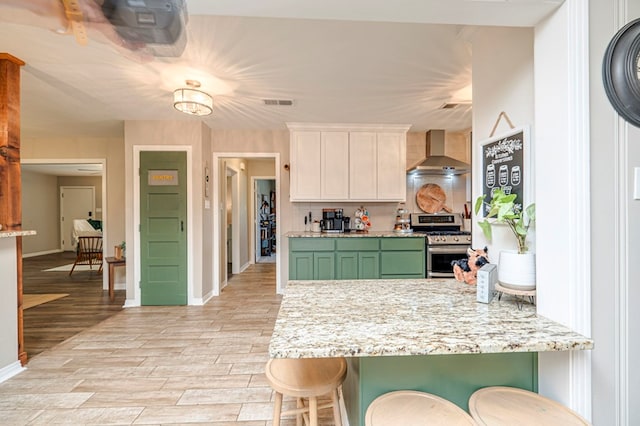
(119, 250)
(516, 269)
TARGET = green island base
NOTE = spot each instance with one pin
(453, 377)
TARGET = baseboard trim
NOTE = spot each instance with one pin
(10, 370)
(41, 253)
(131, 303)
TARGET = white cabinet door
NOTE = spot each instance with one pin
(391, 165)
(305, 166)
(334, 165)
(338, 163)
(362, 166)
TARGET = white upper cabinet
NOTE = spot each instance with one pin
(392, 157)
(363, 154)
(305, 165)
(347, 162)
(334, 165)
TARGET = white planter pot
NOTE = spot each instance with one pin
(517, 271)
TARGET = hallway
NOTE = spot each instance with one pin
(159, 365)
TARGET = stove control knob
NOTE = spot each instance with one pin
(469, 238)
(456, 239)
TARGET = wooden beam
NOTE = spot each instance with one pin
(10, 185)
(10, 181)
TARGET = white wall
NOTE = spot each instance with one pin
(615, 232)
(208, 232)
(502, 81)
(8, 308)
(40, 212)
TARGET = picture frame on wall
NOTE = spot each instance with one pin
(505, 164)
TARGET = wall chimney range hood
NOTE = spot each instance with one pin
(437, 163)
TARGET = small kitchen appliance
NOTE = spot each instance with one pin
(332, 220)
(486, 283)
(444, 239)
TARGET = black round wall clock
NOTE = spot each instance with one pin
(621, 72)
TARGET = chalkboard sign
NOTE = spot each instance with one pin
(505, 165)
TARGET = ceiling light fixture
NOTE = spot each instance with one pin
(192, 101)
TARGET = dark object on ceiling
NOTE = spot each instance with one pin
(621, 72)
(158, 24)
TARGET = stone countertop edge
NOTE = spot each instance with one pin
(367, 318)
(368, 234)
(10, 234)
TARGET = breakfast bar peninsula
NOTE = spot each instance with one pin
(421, 334)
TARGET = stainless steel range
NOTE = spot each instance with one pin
(445, 241)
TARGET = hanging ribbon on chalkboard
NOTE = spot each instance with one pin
(495, 126)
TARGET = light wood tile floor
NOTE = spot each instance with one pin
(159, 365)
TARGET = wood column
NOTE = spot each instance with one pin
(10, 182)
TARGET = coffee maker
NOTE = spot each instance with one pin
(332, 220)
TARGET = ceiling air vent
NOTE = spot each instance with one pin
(281, 102)
(452, 105)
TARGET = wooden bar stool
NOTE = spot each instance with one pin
(306, 378)
(413, 408)
(500, 405)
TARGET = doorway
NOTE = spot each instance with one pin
(134, 253)
(163, 224)
(247, 166)
(76, 202)
(264, 195)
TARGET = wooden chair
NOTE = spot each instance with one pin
(89, 252)
(414, 408)
(502, 405)
(306, 378)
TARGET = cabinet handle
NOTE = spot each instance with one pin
(182, 225)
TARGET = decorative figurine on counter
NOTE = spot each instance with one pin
(361, 222)
(466, 270)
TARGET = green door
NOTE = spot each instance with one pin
(163, 236)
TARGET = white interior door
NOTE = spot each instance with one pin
(76, 202)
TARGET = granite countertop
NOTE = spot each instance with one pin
(20, 233)
(368, 234)
(408, 317)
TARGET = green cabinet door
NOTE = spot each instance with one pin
(359, 260)
(347, 265)
(311, 258)
(301, 266)
(368, 265)
(324, 267)
(402, 258)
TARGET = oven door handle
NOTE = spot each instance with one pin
(448, 250)
(440, 274)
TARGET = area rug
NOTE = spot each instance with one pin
(31, 300)
(68, 267)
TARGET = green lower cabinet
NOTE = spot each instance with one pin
(356, 258)
(300, 266)
(324, 266)
(357, 265)
(452, 377)
(347, 265)
(368, 265)
(402, 258)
